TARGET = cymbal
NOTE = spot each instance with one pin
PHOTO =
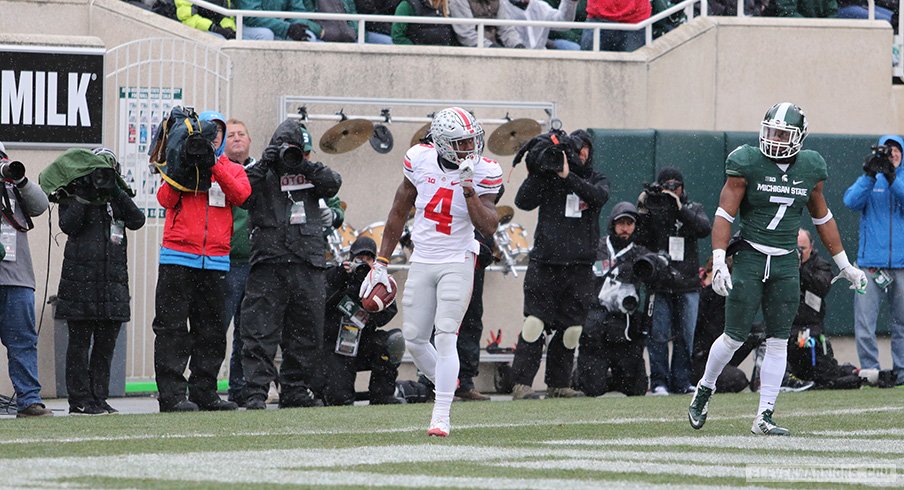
(508, 138)
(505, 214)
(346, 136)
(419, 134)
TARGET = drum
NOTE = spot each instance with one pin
(339, 242)
(512, 240)
(375, 231)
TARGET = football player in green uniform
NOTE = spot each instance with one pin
(767, 189)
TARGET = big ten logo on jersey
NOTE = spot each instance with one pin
(294, 182)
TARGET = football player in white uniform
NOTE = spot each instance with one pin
(453, 189)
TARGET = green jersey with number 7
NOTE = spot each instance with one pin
(775, 197)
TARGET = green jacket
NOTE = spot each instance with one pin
(279, 26)
(805, 8)
(202, 19)
(240, 246)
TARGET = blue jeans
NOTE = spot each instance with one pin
(613, 40)
(235, 293)
(672, 313)
(866, 310)
(377, 38)
(17, 332)
(566, 44)
(858, 12)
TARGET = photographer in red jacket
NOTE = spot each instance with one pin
(191, 285)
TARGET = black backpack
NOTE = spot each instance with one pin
(182, 151)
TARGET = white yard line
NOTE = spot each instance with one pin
(870, 432)
(846, 445)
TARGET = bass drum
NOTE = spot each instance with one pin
(375, 232)
(512, 239)
(339, 243)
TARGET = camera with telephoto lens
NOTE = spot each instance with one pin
(358, 270)
(291, 156)
(657, 201)
(879, 161)
(653, 267)
(544, 152)
(14, 170)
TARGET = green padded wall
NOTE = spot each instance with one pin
(631, 157)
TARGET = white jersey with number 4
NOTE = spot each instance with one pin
(443, 231)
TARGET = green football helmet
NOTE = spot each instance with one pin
(783, 130)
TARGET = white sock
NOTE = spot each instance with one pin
(721, 352)
(446, 372)
(771, 372)
(424, 355)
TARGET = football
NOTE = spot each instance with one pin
(379, 298)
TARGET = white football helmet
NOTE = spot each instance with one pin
(456, 135)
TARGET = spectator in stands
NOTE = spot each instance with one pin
(859, 9)
(665, 25)
(292, 29)
(284, 295)
(810, 355)
(614, 332)
(429, 34)
(238, 146)
(569, 39)
(558, 285)
(377, 32)
(616, 11)
(802, 8)
(217, 24)
(670, 224)
(494, 37)
(538, 37)
(93, 296)
(191, 285)
(879, 197)
(710, 325)
(335, 31)
(22, 200)
(752, 8)
(352, 340)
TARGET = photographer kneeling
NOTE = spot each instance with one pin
(671, 225)
(614, 333)
(351, 341)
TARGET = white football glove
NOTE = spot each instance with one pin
(466, 171)
(721, 276)
(855, 276)
(377, 275)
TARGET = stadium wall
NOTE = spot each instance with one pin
(715, 74)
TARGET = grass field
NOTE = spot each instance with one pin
(608, 442)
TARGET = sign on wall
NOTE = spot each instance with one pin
(51, 96)
(141, 110)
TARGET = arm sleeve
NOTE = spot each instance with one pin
(507, 34)
(306, 6)
(232, 180)
(400, 30)
(326, 181)
(466, 34)
(124, 208)
(167, 196)
(72, 216)
(897, 189)
(185, 14)
(257, 178)
(692, 215)
(594, 191)
(34, 201)
(530, 193)
(857, 195)
(489, 181)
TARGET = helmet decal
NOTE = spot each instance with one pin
(456, 135)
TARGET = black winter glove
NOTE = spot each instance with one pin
(227, 32)
(297, 32)
(869, 170)
(890, 176)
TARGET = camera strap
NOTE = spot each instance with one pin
(10, 214)
(615, 258)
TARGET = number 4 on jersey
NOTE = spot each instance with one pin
(439, 209)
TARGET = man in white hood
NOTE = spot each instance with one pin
(538, 37)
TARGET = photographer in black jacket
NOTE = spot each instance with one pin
(351, 339)
(614, 333)
(558, 286)
(670, 224)
(284, 294)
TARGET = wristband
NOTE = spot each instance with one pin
(718, 257)
(841, 260)
(383, 260)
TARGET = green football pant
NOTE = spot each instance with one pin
(779, 294)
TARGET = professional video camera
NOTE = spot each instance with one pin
(98, 186)
(182, 150)
(544, 152)
(658, 202)
(653, 267)
(879, 161)
(14, 170)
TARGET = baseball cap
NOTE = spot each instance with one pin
(362, 245)
(306, 137)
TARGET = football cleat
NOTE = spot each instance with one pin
(439, 427)
(764, 426)
(793, 384)
(696, 412)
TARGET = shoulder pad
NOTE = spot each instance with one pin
(740, 160)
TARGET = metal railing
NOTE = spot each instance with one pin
(647, 25)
